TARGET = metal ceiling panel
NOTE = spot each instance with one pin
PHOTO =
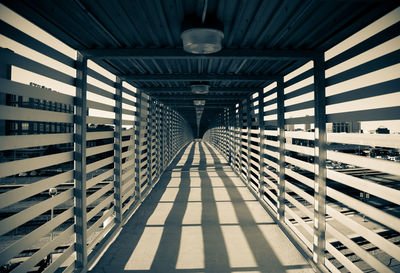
(140, 40)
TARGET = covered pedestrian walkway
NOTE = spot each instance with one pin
(199, 136)
(201, 217)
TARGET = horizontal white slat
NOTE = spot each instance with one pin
(300, 134)
(128, 183)
(129, 192)
(342, 259)
(101, 235)
(271, 194)
(382, 165)
(129, 132)
(271, 143)
(99, 135)
(130, 202)
(28, 214)
(20, 89)
(270, 173)
(100, 91)
(374, 140)
(128, 122)
(94, 196)
(270, 163)
(128, 163)
(301, 178)
(27, 114)
(271, 205)
(100, 106)
(60, 260)
(378, 215)
(128, 143)
(43, 251)
(271, 153)
(99, 178)
(359, 251)
(303, 238)
(387, 246)
(27, 141)
(298, 219)
(127, 175)
(300, 163)
(98, 164)
(99, 207)
(386, 193)
(99, 149)
(96, 225)
(99, 120)
(271, 183)
(24, 165)
(253, 154)
(299, 192)
(270, 132)
(128, 153)
(300, 149)
(28, 240)
(16, 195)
(71, 267)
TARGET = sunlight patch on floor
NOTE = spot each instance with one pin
(226, 213)
(194, 194)
(216, 182)
(191, 250)
(258, 212)
(239, 252)
(195, 182)
(221, 194)
(169, 195)
(246, 194)
(174, 182)
(145, 251)
(160, 214)
(193, 214)
(281, 246)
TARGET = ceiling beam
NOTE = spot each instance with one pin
(219, 106)
(243, 90)
(179, 53)
(198, 97)
(197, 77)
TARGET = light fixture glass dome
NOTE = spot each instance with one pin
(200, 89)
(199, 102)
(202, 40)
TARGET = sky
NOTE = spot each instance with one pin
(382, 75)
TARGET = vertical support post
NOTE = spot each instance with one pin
(240, 136)
(118, 151)
(281, 139)
(163, 137)
(5, 73)
(138, 144)
(158, 138)
(261, 127)
(319, 161)
(80, 164)
(248, 116)
(149, 144)
(229, 124)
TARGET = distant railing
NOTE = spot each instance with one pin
(65, 194)
(298, 145)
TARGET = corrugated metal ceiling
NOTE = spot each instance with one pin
(140, 40)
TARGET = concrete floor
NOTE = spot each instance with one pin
(201, 218)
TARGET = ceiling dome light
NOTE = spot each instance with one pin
(199, 102)
(200, 89)
(202, 40)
